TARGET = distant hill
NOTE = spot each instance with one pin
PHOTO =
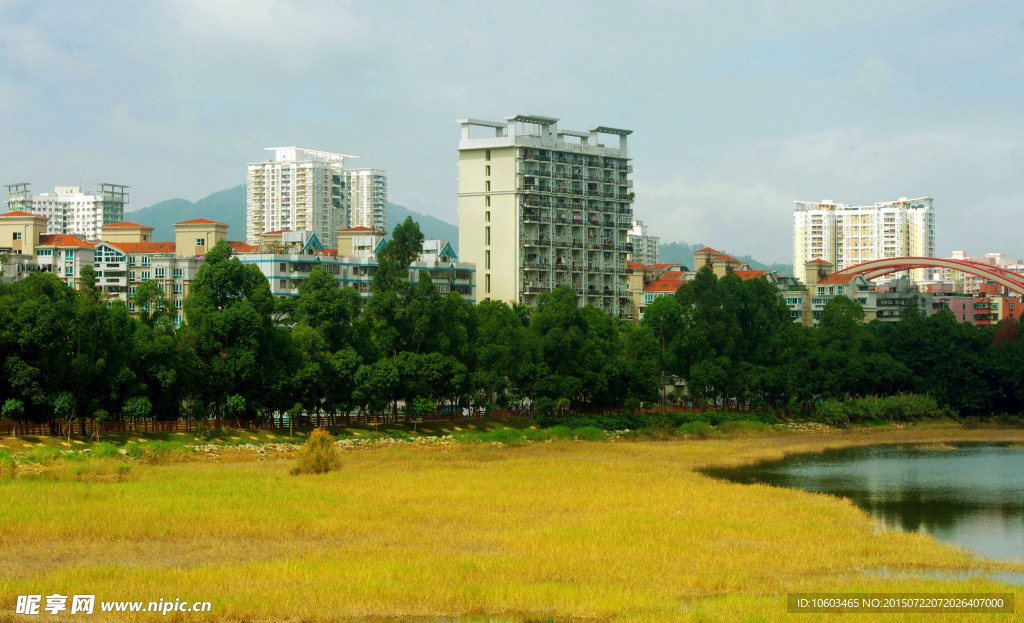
(228, 206)
(432, 228)
(682, 252)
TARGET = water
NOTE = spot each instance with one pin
(971, 495)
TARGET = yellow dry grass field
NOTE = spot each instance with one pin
(616, 531)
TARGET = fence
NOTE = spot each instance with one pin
(59, 427)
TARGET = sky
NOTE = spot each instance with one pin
(738, 108)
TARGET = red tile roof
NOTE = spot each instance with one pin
(242, 247)
(819, 261)
(200, 221)
(21, 213)
(143, 247)
(837, 279)
(361, 228)
(635, 265)
(707, 250)
(63, 240)
(728, 258)
(750, 274)
(668, 282)
(127, 224)
(331, 252)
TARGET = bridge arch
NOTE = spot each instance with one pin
(876, 268)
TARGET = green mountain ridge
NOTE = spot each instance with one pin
(228, 206)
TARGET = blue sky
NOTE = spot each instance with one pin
(738, 108)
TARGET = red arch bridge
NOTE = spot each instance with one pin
(1006, 278)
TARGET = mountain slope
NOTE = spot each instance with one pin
(682, 252)
(228, 206)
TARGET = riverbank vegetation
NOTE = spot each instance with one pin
(565, 529)
(244, 354)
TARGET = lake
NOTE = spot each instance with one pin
(970, 495)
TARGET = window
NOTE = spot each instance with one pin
(131, 291)
(487, 215)
(487, 185)
(284, 267)
(146, 275)
(487, 235)
(487, 201)
(487, 170)
(69, 270)
(177, 321)
(177, 273)
(145, 260)
(487, 259)
(131, 260)
(69, 255)
(283, 283)
(178, 288)
(177, 304)
(487, 155)
(17, 235)
(158, 272)
(200, 242)
(131, 275)
(487, 281)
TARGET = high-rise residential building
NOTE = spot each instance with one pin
(645, 247)
(367, 192)
(846, 235)
(71, 211)
(299, 190)
(541, 207)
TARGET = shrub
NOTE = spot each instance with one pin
(104, 450)
(43, 455)
(559, 432)
(508, 436)
(699, 430)
(202, 431)
(6, 462)
(590, 433)
(318, 455)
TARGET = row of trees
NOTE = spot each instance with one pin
(734, 340)
(244, 353)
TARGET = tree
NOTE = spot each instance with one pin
(152, 302)
(13, 410)
(405, 245)
(137, 408)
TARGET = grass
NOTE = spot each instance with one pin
(619, 531)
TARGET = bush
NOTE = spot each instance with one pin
(202, 431)
(44, 455)
(899, 408)
(158, 451)
(318, 455)
(104, 450)
(6, 462)
(590, 433)
(509, 436)
(559, 432)
(698, 430)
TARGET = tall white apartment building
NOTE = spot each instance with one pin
(645, 247)
(71, 211)
(541, 207)
(299, 190)
(846, 235)
(367, 192)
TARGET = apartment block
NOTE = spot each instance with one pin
(69, 210)
(541, 207)
(299, 190)
(645, 247)
(846, 235)
(367, 193)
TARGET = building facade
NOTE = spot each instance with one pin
(541, 207)
(367, 193)
(299, 190)
(645, 247)
(69, 210)
(846, 235)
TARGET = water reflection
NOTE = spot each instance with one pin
(971, 495)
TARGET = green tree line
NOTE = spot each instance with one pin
(244, 353)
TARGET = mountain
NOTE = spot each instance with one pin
(432, 228)
(228, 206)
(672, 252)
